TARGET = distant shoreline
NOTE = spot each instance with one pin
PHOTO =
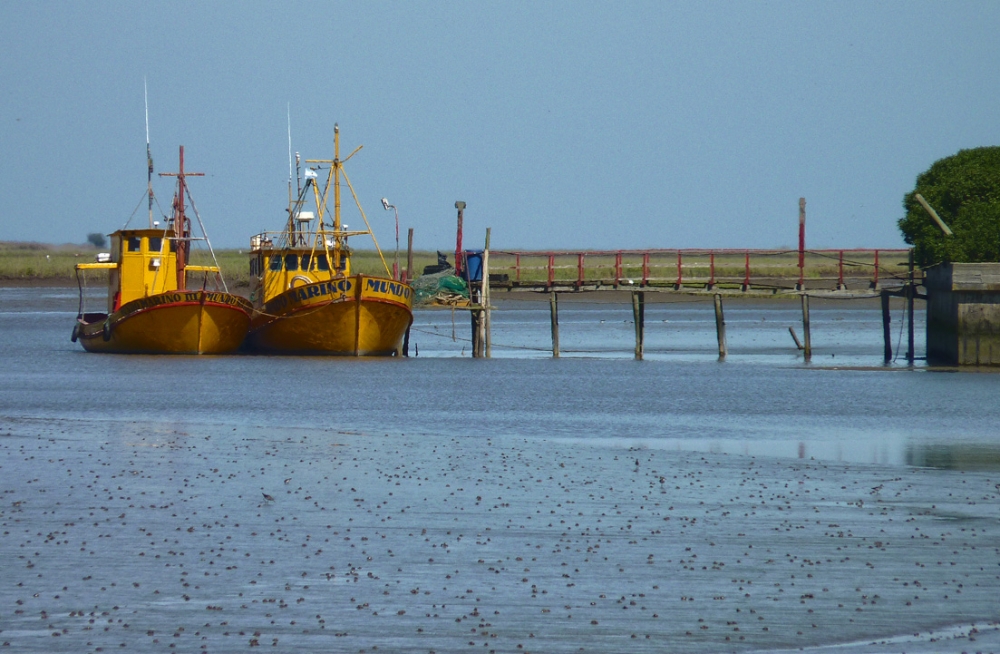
(39, 282)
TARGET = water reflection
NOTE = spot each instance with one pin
(954, 456)
(890, 449)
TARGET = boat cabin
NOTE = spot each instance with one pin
(143, 263)
(147, 264)
(274, 271)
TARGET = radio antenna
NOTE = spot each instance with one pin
(149, 156)
(289, 156)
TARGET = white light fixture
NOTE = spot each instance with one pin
(395, 263)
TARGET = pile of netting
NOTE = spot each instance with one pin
(443, 288)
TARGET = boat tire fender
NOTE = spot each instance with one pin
(76, 333)
(106, 330)
(301, 279)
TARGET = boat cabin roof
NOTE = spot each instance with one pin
(154, 231)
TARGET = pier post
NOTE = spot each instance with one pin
(554, 313)
(487, 338)
(910, 292)
(458, 238)
(639, 314)
(720, 326)
(409, 256)
(886, 331)
(802, 245)
(475, 316)
(806, 335)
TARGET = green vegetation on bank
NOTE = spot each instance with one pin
(24, 262)
(964, 190)
(38, 261)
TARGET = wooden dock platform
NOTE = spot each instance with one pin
(715, 274)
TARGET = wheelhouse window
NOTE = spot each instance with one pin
(321, 262)
(291, 262)
(134, 243)
(155, 243)
(276, 262)
(305, 262)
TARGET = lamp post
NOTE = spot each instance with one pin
(395, 262)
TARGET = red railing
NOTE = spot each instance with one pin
(693, 267)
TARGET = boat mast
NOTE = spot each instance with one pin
(289, 158)
(336, 195)
(149, 156)
(182, 229)
(333, 178)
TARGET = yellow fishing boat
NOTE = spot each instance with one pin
(152, 308)
(306, 298)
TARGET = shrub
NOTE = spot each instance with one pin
(964, 189)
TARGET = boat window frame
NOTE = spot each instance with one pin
(133, 244)
(291, 262)
(275, 258)
(158, 247)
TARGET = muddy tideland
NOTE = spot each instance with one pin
(154, 536)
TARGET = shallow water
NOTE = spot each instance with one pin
(445, 504)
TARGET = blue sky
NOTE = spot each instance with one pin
(598, 125)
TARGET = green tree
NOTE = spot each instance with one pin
(964, 189)
(96, 239)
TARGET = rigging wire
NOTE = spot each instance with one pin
(365, 218)
(205, 234)
(144, 196)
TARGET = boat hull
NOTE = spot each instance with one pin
(176, 322)
(353, 316)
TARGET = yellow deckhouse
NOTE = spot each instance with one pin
(306, 298)
(151, 308)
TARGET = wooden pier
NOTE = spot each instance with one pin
(708, 270)
(714, 273)
(854, 277)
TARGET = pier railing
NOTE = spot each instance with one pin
(694, 269)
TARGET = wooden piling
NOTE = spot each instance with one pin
(798, 343)
(475, 317)
(639, 314)
(807, 349)
(409, 256)
(487, 339)
(406, 343)
(554, 314)
(802, 245)
(458, 238)
(886, 331)
(910, 292)
(720, 326)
